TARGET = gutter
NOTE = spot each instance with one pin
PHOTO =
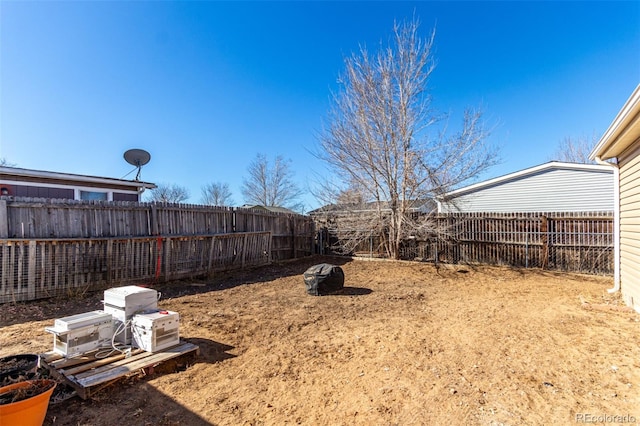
(616, 224)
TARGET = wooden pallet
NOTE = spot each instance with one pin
(88, 374)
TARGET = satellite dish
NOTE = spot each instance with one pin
(138, 158)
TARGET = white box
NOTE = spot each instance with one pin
(81, 333)
(124, 302)
(131, 299)
(155, 331)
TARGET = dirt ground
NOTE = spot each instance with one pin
(404, 343)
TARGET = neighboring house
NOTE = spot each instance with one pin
(621, 142)
(549, 187)
(19, 182)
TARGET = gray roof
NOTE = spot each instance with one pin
(43, 175)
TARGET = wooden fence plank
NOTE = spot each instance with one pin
(52, 246)
(580, 242)
(4, 222)
(31, 270)
(99, 263)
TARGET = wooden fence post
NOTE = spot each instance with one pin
(167, 259)
(31, 270)
(154, 221)
(212, 246)
(269, 245)
(158, 258)
(234, 219)
(526, 245)
(293, 237)
(4, 220)
(454, 223)
(109, 261)
(243, 250)
(544, 236)
(4, 270)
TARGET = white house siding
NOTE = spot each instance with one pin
(629, 163)
(552, 190)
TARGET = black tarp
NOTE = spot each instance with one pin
(323, 279)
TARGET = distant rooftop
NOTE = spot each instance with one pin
(40, 175)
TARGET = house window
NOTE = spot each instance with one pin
(90, 195)
(118, 196)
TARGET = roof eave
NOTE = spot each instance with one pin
(73, 177)
(623, 131)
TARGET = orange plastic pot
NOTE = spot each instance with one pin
(27, 412)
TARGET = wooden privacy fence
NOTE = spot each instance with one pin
(576, 242)
(556, 241)
(38, 218)
(22, 217)
(39, 268)
(51, 247)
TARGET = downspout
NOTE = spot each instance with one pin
(616, 223)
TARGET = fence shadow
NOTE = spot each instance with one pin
(255, 275)
(63, 306)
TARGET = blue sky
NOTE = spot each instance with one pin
(204, 86)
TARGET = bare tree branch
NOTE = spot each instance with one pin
(381, 136)
(575, 150)
(169, 193)
(217, 194)
(271, 185)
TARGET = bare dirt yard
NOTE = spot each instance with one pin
(403, 343)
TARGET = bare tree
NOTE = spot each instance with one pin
(5, 163)
(351, 196)
(216, 194)
(169, 193)
(271, 185)
(575, 150)
(384, 137)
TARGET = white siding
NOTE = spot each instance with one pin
(630, 225)
(552, 190)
